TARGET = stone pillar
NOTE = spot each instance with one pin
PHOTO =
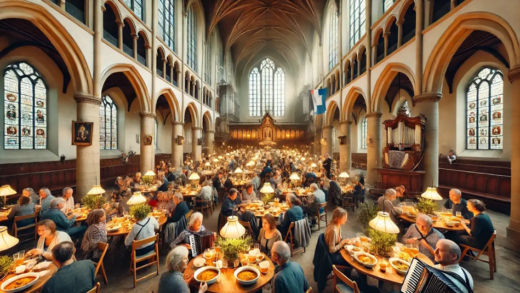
(147, 151)
(317, 144)
(62, 4)
(210, 141)
(87, 157)
(419, 24)
(399, 33)
(135, 36)
(326, 133)
(427, 104)
(374, 150)
(177, 149)
(385, 37)
(120, 26)
(345, 150)
(513, 230)
(196, 148)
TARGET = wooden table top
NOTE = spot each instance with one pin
(39, 284)
(439, 224)
(124, 231)
(391, 275)
(228, 282)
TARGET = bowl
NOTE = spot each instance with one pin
(111, 228)
(203, 269)
(394, 260)
(260, 257)
(450, 223)
(357, 255)
(13, 279)
(198, 262)
(248, 268)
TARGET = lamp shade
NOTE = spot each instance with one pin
(250, 164)
(294, 176)
(313, 165)
(6, 241)
(97, 189)
(232, 229)
(149, 173)
(6, 190)
(238, 171)
(208, 164)
(303, 159)
(267, 188)
(431, 193)
(215, 160)
(136, 198)
(194, 176)
(383, 223)
(344, 175)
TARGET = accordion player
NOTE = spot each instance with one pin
(200, 241)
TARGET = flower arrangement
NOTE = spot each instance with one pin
(426, 206)
(93, 201)
(267, 197)
(140, 211)
(231, 247)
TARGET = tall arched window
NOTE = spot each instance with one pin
(155, 135)
(267, 82)
(484, 110)
(107, 124)
(357, 21)
(387, 4)
(167, 22)
(254, 93)
(364, 130)
(25, 107)
(279, 92)
(136, 6)
(207, 63)
(192, 38)
(333, 38)
(266, 70)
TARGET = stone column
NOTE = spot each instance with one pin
(374, 150)
(513, 230)
(385, 37)
(62, 4)
(196, 148)
(317, 144)
(87, 157)
(419, 24)
(427, 104)
(120, 26)
(147, 151)
(399, 33)
(326, 133)
(210, 141)
(345, 150)
(177, 150)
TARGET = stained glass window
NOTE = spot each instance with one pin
(266, 69)
(364, 130)
(192, 38)
(136, 6)
(268, 82)
(333, 39)
(207, 64)
(279, 92)
(357, 21)
(155, 135)
(254, 92)
(25, 108)
(484, 111)
(387, 4)
(167, 22)
(107, 124)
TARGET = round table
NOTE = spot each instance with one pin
(124, 231)
(228, 282)
(51, 270)
(437, 224)
(390, 276)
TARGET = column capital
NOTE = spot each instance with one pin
(399, 23)
(373, 115)
(427, 97)
(147, 115)
(514, 74)
(88, 99)
(210, 131)
(177, 123)
(386, 34)
(348, 122)
(196, 128)
(327, 127)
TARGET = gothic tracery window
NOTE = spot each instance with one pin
(387, 4)
(357, 21)
(267, 89)
(364, 130)
(192, 38)
(107, 124)
(167, 22)
(136, 6)
(333, 39)
(254, 92)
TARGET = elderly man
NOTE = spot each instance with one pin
(230, 202)
(181, 208)
(399, 194)
(386, 204)
(458, 204)
(256, 182)
(63, 223)
(447, 255)
(248, 193)
(206, 192)
(69, 200)
(29, 192)
(72, 276)
(314, 200)
(335, 191)
(327, 164)
(45, 200)
(422, 232)
(289, 276)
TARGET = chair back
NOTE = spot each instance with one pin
(103, 247)
(309, 290)
(289, 233)
(95, 289)
(136, 244)
(247, 225)
(322, 205)
(21, 218)
(339, 275)
(490, 244)
(188, 215)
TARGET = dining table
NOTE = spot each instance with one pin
(123, 231)
(440, 224)
(229, 284)
(38, 285)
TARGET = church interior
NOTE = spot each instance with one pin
(259, 146)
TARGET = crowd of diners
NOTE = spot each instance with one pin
(60, 236)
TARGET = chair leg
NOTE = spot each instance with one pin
(104, 273)
(463, 254)
(491, 267)
(494, 259)
(135, 274)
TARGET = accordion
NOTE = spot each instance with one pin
(422, 278)
(200, 241)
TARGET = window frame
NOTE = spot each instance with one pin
(355, 34)
(191, 27)
(333, 38)
(113, 106)
(254, 93)
(364, 133)
(132, 5)
(167, 26)
(387, 4)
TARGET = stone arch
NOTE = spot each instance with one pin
(389, 23)
(135, 79)
(404, 8)
(192, 108)
(455, 35)
(114, 7)
(207, 120)
(384, 81)
(132, 24)
(58, 36)
(350, 100)
(331, 109)
(172, 101)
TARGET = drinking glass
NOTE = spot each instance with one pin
(19, 257)
(257, 246)
(217, 248)
(459, 214)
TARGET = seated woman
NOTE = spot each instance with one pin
(176, 262)
(23, 208)
(144, 228)
(333, 238)
(166, 202)
(29, 192)
(96, 232)
(181, 208)
(120, 183)
(479, 229)
(422, 232)
(268, 234)
(194, 227)
(248, 193)
(49, 237)
(293, 214)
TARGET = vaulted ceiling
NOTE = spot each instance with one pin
(254, 29)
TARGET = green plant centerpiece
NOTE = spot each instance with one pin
(147, 179)
(366, 212)
(267, 197)
(93, 201)
(5, 264)
(382, 242)
(140, 211)
(426, 206)
(231, 247)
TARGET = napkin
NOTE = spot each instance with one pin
(43, 273)
(42, 266)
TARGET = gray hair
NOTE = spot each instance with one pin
(453, 247)
(65, 190)
(282, 249)
(314, 186)
(46, 190)
(390, 192)
(30, 190)
(175, 257)
(55, 202)
(194, 217)
(292, 198)
(456, 191)
(426, 219)
(178, 195)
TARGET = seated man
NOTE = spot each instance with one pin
(458, 204)
(290, 276)
(248, 193)
(314, 200)
(69, 200)
(230, 202)
(63, 223)
(422, 232)
(335, 191)
(181, 208)
(72, 276)
(447, 255)
(386, 204)
(293, 214)
(206, 192)
(310, 177)
(256, 182)
(266, 170)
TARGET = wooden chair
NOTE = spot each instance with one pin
(188, 215)
(321, 216)
(289, 236)
(95, 289)
(342, 283)
(347, 201)
(247, 225)
(488, 250)
(152, 257)
(99, 265)
(202, 204)
(16, 229)
(309, 290)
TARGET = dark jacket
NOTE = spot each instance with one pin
(59, 218)
(322, 263)
(335, 192)
(462, 207)
(171, 177)
(216, 182)
(180, 211)
(228, 205)
(295, 213)
(78, 277)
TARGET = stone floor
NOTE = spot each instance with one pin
(506, 279)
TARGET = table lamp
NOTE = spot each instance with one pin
(148, 177)
(96, 190)
(238, 173)
(232, 229)
(5, 191)
(194, 180)
(136, 198)
(295, 179)
(344, 177)
(431, 193)
(383, 223)
(6, 241)
(313, 165)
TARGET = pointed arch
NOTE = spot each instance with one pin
(331, 109)
(350, 100)
(114, 7)
(192, 108)
(173, 102)
(135, 79)
(384, 81)
(207, 120)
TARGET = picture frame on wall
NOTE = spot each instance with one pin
(148, 140)
(199, 141)
(82, 133)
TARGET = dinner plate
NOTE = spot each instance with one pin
(394, 259)
(367, 265)
(114, 228)
(13, 279)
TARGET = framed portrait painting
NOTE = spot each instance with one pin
(82, 133)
